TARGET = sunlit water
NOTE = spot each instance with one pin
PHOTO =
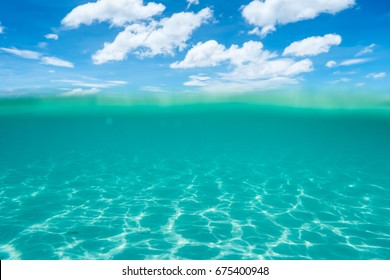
(228, 181)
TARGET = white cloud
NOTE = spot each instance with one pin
(51, 36)
(55, 61)
(263, 32)
(22, 53)
(197, 80)
(313, 45)
(249, 66)
(366, 50)
(48, 60)
(118, 82)
(331, 64)
(270, 13)
(80, 91)
(117, 13)
(360, 84)
(341, 80)
(282, 67)
(211, 53)
(250, 61)
(153, 89)
(88, 84)
(147, 40)
(344, 80)
(255, 31)
(376, 75)
(355, 61)
(344, 73)
(42, 45)
(247, 86)
(192, 2)
(205, 54)
(1, 29)
(347, 62)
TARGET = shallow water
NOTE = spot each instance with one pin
(216, 181)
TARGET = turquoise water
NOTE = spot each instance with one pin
(206, 181)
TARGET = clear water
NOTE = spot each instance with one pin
(216, 181)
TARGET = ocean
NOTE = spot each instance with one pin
(82, 178)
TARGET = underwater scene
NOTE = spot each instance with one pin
(85, 179)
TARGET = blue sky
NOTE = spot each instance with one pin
(74, 47)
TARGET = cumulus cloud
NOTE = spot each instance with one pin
(366, 50)
(22, 53)
(80, 91)
(313, 45)
(205, 54)
(249, 66)
(268, 14)
(154, 38)
(54, 61)
(211, 53)
(282, 67)
(250, 61)
(51, 36)
(117, 13)
(376, 75)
